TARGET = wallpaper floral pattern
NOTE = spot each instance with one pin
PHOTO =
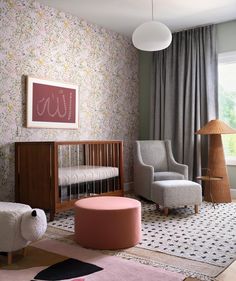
(45, 43)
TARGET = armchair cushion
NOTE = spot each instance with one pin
(160, 176)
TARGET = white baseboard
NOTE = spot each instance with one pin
(233, 193)
(128, 186)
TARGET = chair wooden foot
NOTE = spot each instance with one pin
(196, 209)
(9, 258)
(165, 210)
(24, 251)
(52, 215)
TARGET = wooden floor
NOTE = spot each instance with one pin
(229, 274)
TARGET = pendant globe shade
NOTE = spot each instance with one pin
(152, 36)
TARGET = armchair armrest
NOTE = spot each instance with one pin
(175, 166)
(142, 170)
(143, 175)
(179, 168)
(143, 179)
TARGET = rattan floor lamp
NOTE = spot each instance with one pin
(218, 190)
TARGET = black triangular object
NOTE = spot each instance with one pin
(67, 269)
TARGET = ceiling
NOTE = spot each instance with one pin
(124, 16)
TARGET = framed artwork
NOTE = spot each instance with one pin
(51, 104)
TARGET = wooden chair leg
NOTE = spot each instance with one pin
(9, 258)
(166, 210)
(196, 209)
(24, 251)
(52, 215)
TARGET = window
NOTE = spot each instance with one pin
(227, 101)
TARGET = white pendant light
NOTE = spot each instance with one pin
(152, 36)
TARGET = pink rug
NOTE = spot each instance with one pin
(115, 268)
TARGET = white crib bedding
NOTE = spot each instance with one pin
(85, 173)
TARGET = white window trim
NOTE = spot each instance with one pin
(230, 161)
(225, 58)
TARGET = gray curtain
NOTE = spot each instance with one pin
(184, 94)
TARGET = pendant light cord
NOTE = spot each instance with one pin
(152, 11)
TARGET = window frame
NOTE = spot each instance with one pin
(227, 57)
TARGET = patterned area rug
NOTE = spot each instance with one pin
(208, 237)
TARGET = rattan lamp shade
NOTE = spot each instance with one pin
(217, 191)
(216, 127)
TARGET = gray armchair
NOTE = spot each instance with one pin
(154, 161)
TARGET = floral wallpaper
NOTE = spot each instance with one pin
(45, 43)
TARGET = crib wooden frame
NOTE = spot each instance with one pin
(36, 171)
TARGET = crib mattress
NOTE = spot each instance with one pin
(85, 173)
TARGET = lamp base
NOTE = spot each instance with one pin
(217, 191)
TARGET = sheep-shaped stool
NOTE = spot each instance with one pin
(19, 225)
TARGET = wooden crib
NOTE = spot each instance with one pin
(53, 175)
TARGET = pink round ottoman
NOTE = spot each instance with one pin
(107, 222)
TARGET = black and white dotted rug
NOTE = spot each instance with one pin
(209, 236)
(64, 220)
